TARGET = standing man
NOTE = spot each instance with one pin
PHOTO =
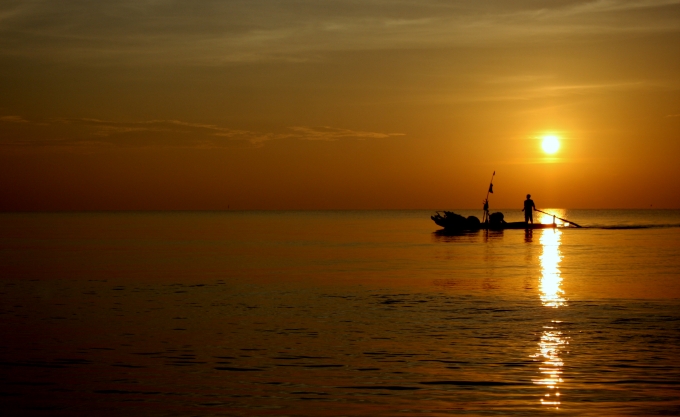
(528, 209)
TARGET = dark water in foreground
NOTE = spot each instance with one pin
(337, 313)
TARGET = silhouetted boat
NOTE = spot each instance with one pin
(451, 221)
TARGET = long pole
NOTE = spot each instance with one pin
(564, 220)
(486, 201)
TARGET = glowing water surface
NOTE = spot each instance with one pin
(552, 339)
(337, 313)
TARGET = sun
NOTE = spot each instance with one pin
(550, 144)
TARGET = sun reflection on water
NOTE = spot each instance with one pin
(550, 285)
(551, 216)
(552, 340)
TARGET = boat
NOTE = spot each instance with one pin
(451, 221)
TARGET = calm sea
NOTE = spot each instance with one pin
(347, 313)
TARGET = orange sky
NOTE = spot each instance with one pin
(338, 105)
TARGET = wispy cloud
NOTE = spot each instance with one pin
(328, 133)
(13, 119)
(529, 87)
(110, 128)
(214, 32)
(164, 133)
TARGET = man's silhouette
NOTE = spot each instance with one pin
(528, 209)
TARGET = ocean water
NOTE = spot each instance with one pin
(347, 313)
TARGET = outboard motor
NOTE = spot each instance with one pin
(496, 218)
(473, 223)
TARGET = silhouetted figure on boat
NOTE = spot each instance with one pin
(528, 209)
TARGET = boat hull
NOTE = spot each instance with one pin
(456, 223)
(457, 226)
(517, 225)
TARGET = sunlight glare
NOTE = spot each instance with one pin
(550, 144)
(553, 341)
(547, 218)
(551, 281)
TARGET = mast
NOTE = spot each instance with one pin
(486, 200)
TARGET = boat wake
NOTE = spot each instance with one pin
(446, 232)
(632, 226)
